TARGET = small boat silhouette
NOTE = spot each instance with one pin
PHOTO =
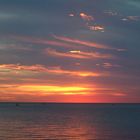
(17, 104)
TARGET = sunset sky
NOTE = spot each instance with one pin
(70, 51)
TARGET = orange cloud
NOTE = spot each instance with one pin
(44, 42)
(65, 42)
(86, 17)
(44, 90)
(78, 54)
(81, 42)
(57, 43)
(86, 43)
(53, 70)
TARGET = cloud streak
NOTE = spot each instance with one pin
(67, 42)
(41, 68)
(78, 54)
(85, 43)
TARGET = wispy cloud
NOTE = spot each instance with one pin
(78, 54)
(66, 42)
(42, 41)
(41, 68)
(109, 65)
(111, 13)
(122, 17)
(131, 18)
(13, 46)
(60, 42)
(81, 42)
(7, 16)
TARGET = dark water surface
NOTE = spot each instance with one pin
(70, 122)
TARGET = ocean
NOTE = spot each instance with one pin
(59, 121)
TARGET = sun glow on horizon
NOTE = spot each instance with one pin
(47, 89)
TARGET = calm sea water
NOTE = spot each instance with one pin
(70, 122)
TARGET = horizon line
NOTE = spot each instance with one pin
(69, 102)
